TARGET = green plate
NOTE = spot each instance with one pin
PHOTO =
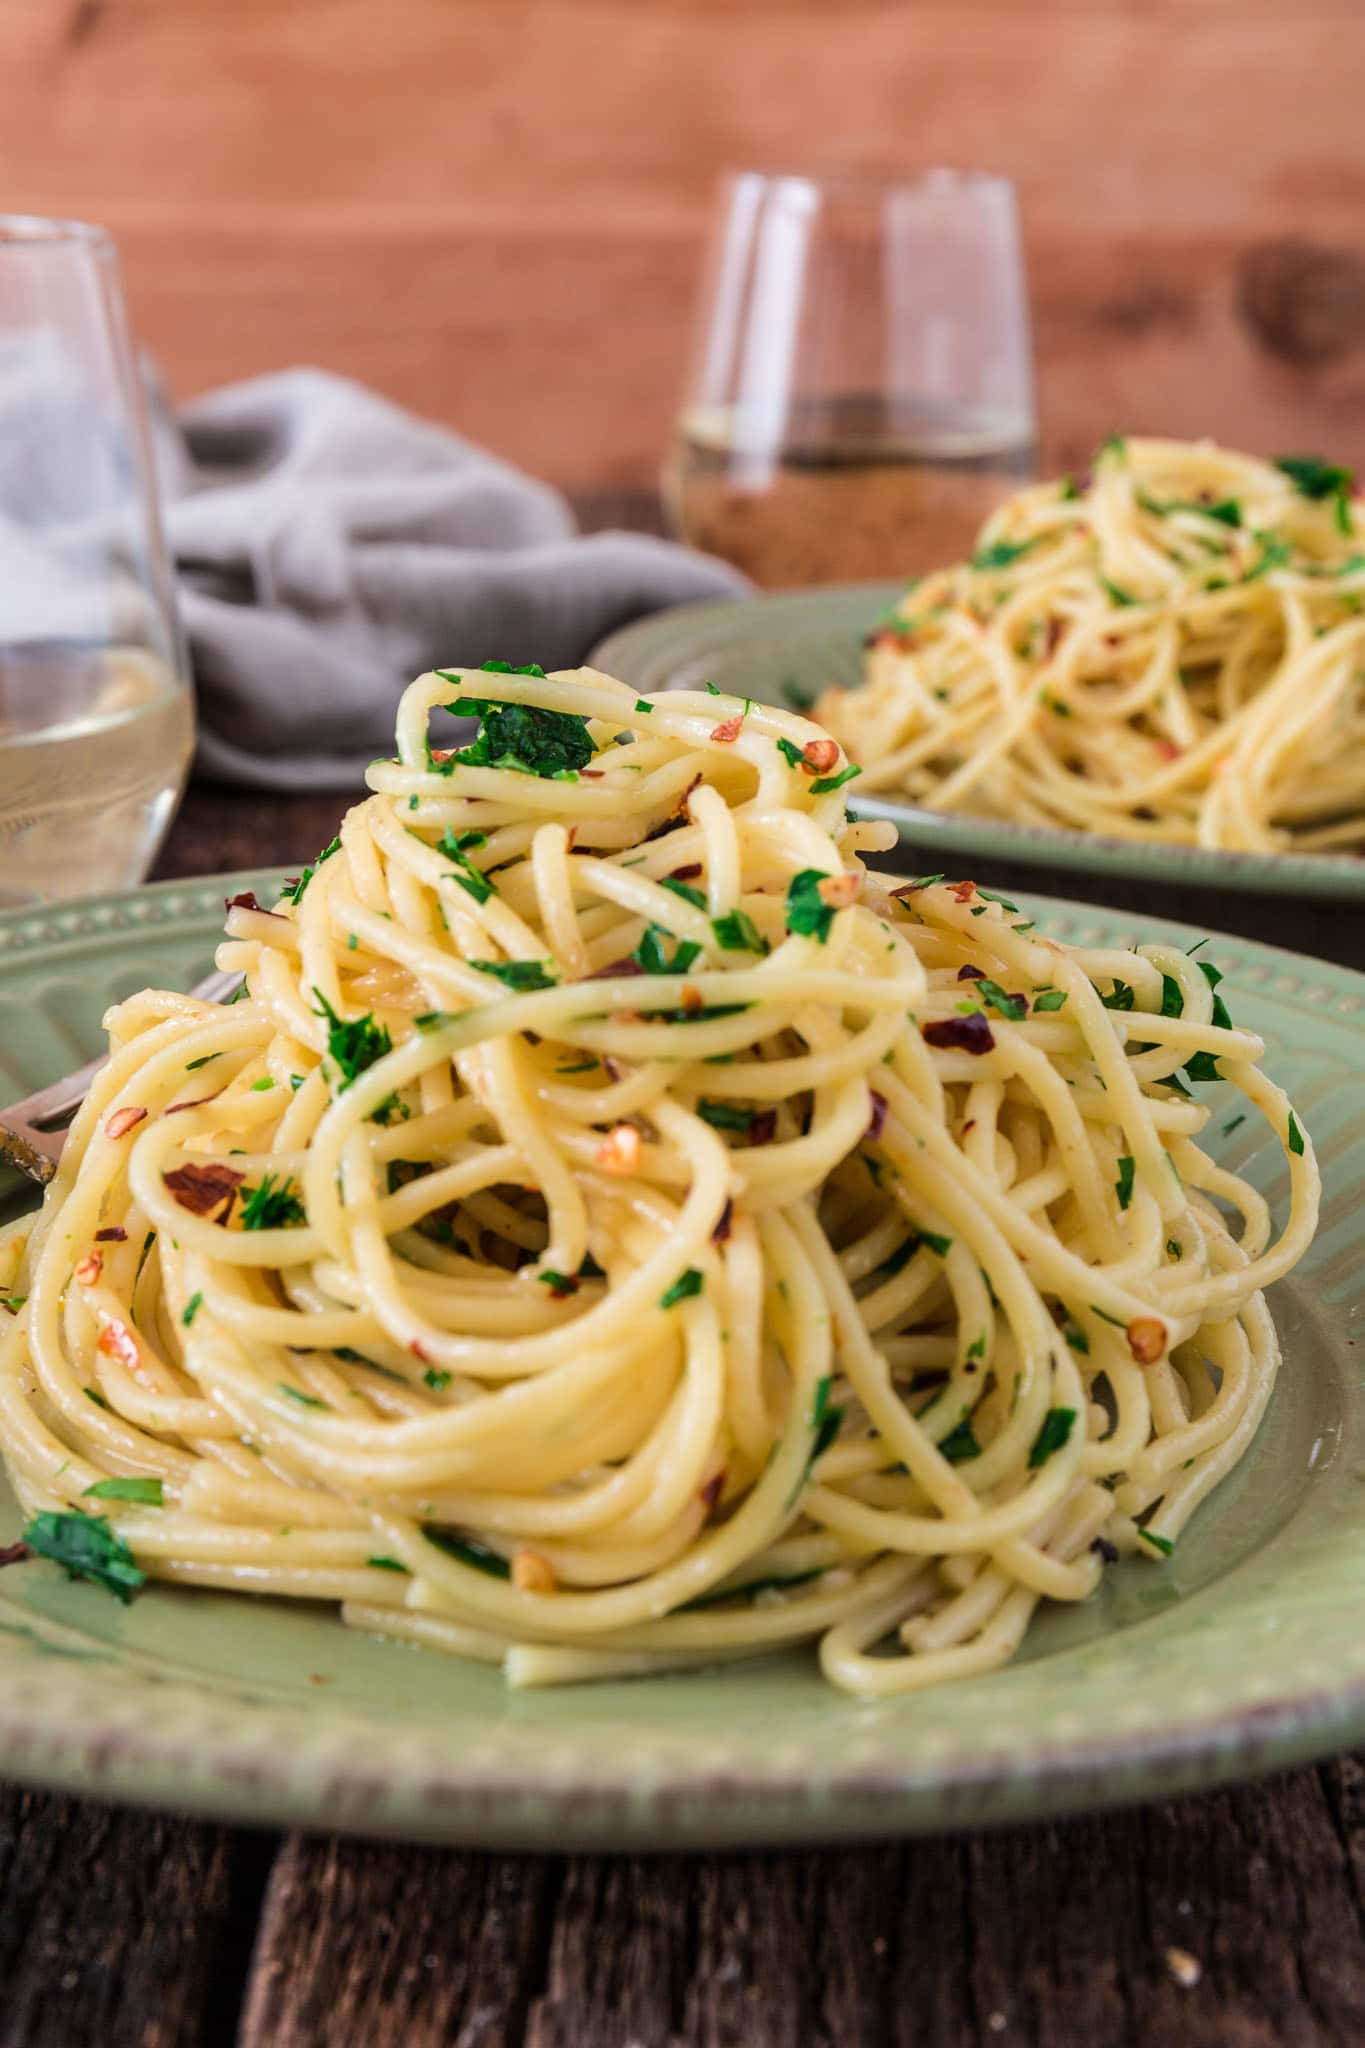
(811, 638)
(1245, 1651)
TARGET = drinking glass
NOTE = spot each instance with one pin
(96, 718)
(861, 393)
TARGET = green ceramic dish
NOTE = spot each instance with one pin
(1245, 1651)
(765, 647)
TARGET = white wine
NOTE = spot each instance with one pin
(94, 747)
(860, 486)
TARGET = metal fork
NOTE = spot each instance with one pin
(32, 1132)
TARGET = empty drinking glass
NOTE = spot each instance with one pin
(96, 718)
(862, 392)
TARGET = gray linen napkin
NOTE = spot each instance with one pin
(329, 547)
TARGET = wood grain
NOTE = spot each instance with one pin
(493, 209)
(125, 1930)
(1050, 1936)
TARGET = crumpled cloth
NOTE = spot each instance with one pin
(329, 547)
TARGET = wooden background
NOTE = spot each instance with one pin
(491, 208)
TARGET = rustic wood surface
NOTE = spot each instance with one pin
(1235, 1920)
(493, 209)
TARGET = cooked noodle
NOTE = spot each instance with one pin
(632, 1236)
(1175, 653)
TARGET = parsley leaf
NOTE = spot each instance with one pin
(1048, 999)
(1123, 1186)
(1295, 1136)
(791, 753)
(807, 911)
(1161, 1543)
(1115, 592)
(1055, 1432)
(292, 892)
(824, 783)
(1015, 1007)
(520, 976)
(650, 953)
(725, 1116)
(352, 1043)
(146, 1492)
(695, 897)
(268, 1207)
(466, 1551)
(960, 1444)
(1001, 553)
(457, 848)
(736, 932)
(1120, 997)
(1314, 478)
(86, 1548)
(688, 1283)
(523, 737)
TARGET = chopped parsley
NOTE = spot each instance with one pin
(193, 1066)
(941, 1245)
(269, 1207)
(1015, 1007)
(292, 892)
(522, 737)
(297, 1394)
(385, 1564)
(1295, 1136)
(353, 1043)
(1275, 554)
(1314, 478)
(791, 753)
(824, 783)
(688, 1283)
(642, 705)
(696, 897)
(191, 1309)
(736, 932)
(1114, 445)
(1161, 1543)
(1115, 592)
(807, 911)
(725, 1116)
(457, 847)
(146, 1492)
(1173, 1248)
(466, 1551)
(651, 955)
(1001, 553)
(977, 1348)
(436, 1379)
(1077, 1339)
(1120, 997)
(1055, 1432)
(960, 1443)
(86, 1548)
(1123, 1186)
(1048, 999)
(825, 1420)
(520, 976)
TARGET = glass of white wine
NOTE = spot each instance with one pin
(96, 715)
(861, 392)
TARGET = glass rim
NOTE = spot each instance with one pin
(930, 178)
(39, 231)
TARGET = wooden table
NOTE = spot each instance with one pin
(134, 1931)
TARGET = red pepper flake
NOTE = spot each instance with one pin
(971, 974)
(712, 1491)
(246, 901)
(15, 1553)
(876, 1123)
(965, 1034)
(820, 756)
(89, 1269)
(763, 1127)
(837, 892)
(692, 997)
(192, 1102)
(419, 1351)
(619, 1151)
(680, 808)
(686, 874)
(568, 843)
(123, 1121)
(204, 1189)
(964, 891)
(1168, 749)
(614, 968)
(721, 1233)
(1146, 1339)
(443, 753)
(111, 1236)
(559, 1286)
(912, 888)
(116, 1340)
(1052, 639)
(727, 730)
(592, 774)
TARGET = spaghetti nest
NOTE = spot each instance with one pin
(614, 1230)
(1175, 652)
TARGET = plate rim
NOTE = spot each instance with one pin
(689, 631)
(205, 1752)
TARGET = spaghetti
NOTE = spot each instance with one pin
(1175, 652)
(616, 1231)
